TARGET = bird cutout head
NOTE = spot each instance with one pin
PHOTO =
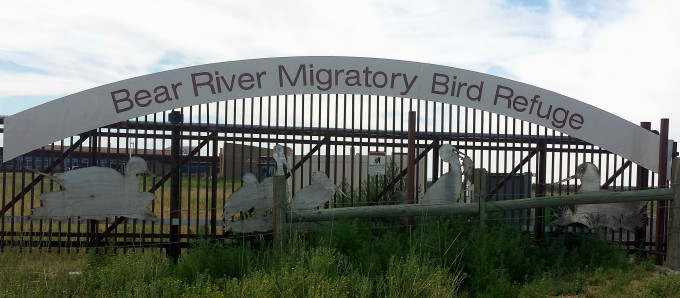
(587, 170)
(589, 176)
(281, 161)
(249, 178)
(451, 154)
(587, 173)
(135, 166)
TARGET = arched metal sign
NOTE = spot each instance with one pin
(183, 87)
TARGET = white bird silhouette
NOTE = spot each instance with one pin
(97, 193)
(253, 203)
(626, 215)
(317, 193)
(447, 189)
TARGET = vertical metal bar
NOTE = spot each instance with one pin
(410, 188)
(59, 224)
(337, 125)
(3, 193)
(435, 160)
(539, 220)
(213, 196)
(187, 176)
(14, 190)
(661, 205)
(376, 189)
(173, 250)
(94, 150)
(327, 166)
(394, 141)
(361, 150)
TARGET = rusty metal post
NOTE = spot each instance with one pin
(213, 195)
(642, 182)
(327, 166)
(673, 256)
(173, 250)
(480, 178)
(93, 225)
(661, 205)
(411, 184)
(539, 213)
(435, 160)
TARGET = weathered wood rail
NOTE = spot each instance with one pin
(474, 208)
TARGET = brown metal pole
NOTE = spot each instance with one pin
(213, 195)
(642, 182)
(663, 183)
(93, 225)
(539, 219)
(173, 251)
(435, 161)
(411, 184)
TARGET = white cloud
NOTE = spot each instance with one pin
(617, 55)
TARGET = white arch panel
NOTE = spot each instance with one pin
(123, 100)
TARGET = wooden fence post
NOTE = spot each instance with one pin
(480, 193)
(279, 211)
(673, 246)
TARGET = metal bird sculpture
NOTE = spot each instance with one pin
(447, 189)
(97, 193)
(248, 208)
(627, 215)
(317, 193)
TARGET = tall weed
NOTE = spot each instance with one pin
(207, 259)
(132, 274)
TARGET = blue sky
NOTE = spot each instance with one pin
(620, 56)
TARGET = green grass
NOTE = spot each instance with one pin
(442, 257)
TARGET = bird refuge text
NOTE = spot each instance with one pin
(451, 88)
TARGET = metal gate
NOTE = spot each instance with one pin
(219, 142)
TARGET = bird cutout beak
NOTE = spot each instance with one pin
(49, 176)
(34, 171)
(456, 151)
(151, 174)
(565, 179)
(467, 162)
(460, 154)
